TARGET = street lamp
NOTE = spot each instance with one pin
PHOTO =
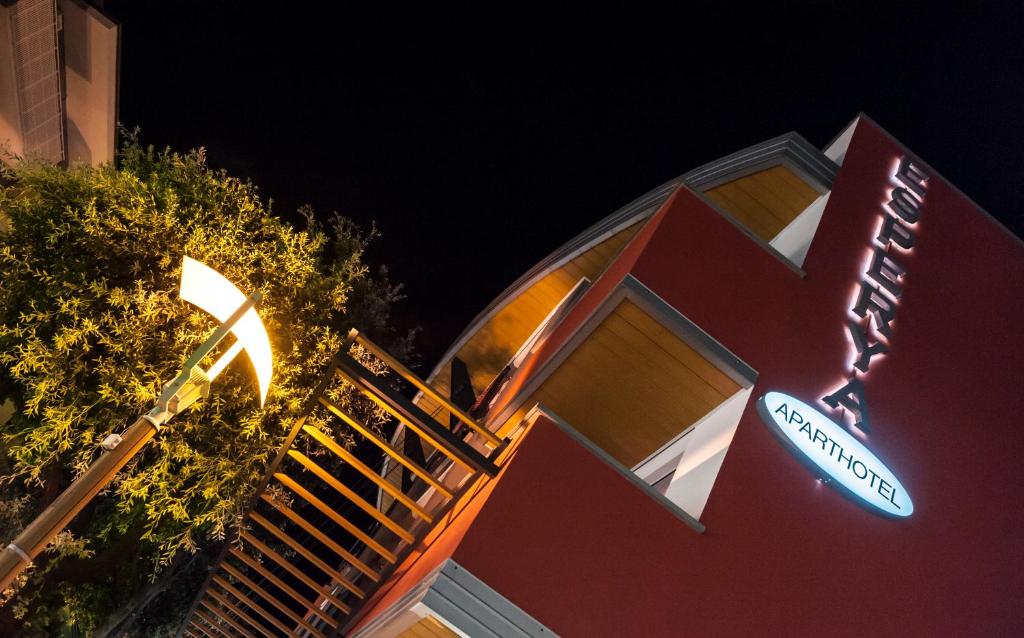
(208, 289)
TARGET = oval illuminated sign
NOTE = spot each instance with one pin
(834, 454)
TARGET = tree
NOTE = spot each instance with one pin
(91, 326)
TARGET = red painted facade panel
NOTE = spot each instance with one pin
(581, 549)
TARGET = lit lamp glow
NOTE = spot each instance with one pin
(211, 291)
(208, 289)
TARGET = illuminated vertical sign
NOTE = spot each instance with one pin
(879, 288)
(823, 445)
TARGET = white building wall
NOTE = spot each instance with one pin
(91, 70)
(90, 42)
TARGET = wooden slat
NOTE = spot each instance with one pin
(633, 385)
(208, 632)
(308, 555)
(751, 209)
(428, 627)
(439, 629)
(284, 608)
(591, 407)
(399, 406)
(542, 294)
(426, 434)
(319, 588)
(487, 351)
(590, 265)
(490, 348)
(513, 328)
(423, 387)
(617, 380)
(795, 182)
(737, 212)
(212, 623)
(429, 405)
(594, 259)
(658, 367)
(253, 605)
(611, 247)
(316, 533)
(192, 630)
(576, 270)
(646, 361)
(689, 357)
(346, 524)
(517, 417)
(531, 304)
(752, 213)
(345, 491)
(223, 615)
(775, 204)
(386, 447)
(253, 564)
(554, 285)
(774, 182)
(416, 631)
(368, 472)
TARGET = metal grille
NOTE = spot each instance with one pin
(319, 541)
(37, 77)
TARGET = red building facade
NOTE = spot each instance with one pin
(776, 396)
(571, 541)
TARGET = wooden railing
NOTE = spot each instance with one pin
(325, 528)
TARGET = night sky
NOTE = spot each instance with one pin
(479, 142)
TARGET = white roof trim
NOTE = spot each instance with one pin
(461, 601)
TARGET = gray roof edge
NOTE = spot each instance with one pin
(790, 147)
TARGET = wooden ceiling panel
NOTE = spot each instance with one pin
(492, 346)
(766, 201)
(724, 197)
(796, 182)
(773, 180)
(666, 374)
(428, 627)
(632, 385)
(681, 351)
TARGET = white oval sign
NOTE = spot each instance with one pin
(833, 453)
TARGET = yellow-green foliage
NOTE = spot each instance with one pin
(91, 326)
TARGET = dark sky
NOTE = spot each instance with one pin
(479, 142)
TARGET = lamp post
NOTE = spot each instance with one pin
(211, 291)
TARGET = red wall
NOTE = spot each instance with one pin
(575, 545)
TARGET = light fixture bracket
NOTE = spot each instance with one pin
(193, 383)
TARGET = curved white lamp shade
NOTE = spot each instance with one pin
(211, 291)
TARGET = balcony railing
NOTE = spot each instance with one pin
(326, 529)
